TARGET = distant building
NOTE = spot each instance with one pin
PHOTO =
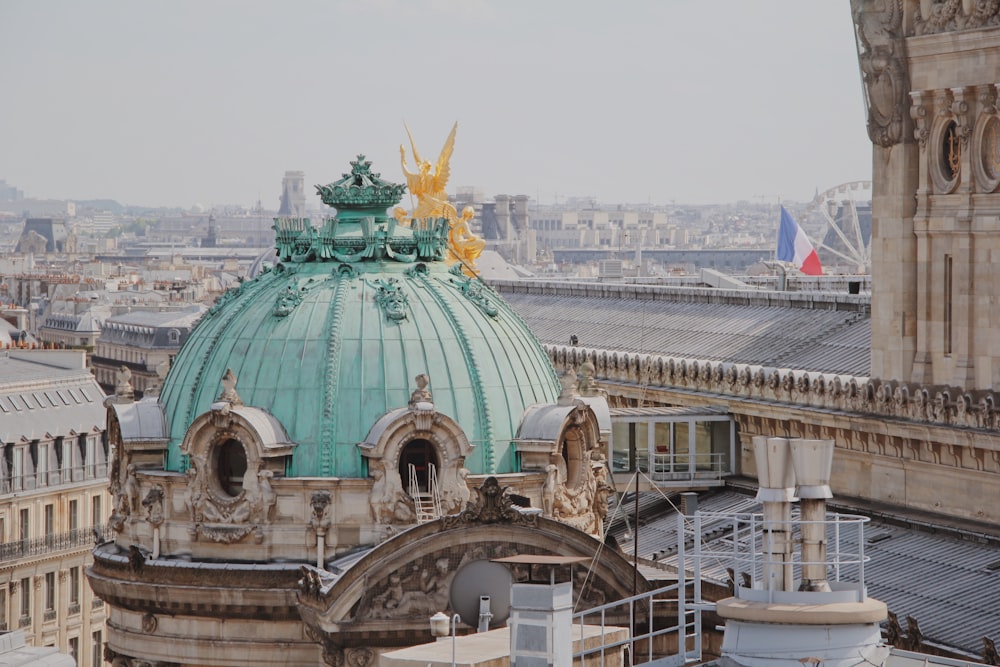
(141, 341)
(293, 195)
(53, 500)
(42, 235)
(9, 192)
(77, 328)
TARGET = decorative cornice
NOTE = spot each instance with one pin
(929, 404)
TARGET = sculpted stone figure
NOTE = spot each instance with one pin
(387, 500)
(153, 502)
(194, 495)
(132, 489)
(266, 497)
(549, 490)
(432, 593)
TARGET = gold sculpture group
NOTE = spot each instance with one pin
(428, 184)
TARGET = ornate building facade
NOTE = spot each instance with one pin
(929, 72)
(53, 500)
(339, 437)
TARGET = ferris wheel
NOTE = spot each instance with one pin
(845, 215)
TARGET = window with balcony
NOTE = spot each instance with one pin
(95, 511)
(65, 449)
(74, 515)
(42, 464)
(24, 525)
(50, 524)
(17, 471)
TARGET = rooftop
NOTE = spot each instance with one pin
(809, 331)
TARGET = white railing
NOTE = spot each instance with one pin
(651, 637)
(656, 634)
(426, 504)
(683, 466)
(752, 547)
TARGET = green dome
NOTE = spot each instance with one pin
(328, 347)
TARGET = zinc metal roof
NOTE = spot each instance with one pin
(317, 350)
(831, 341)
(38, 397)
(944, 582)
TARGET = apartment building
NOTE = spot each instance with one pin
(54, 502)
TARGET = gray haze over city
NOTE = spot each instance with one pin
(177, 103)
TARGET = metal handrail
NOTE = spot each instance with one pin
(750, 547)
(686, 594)
(37, 480)
(685, 464)
(73, 539)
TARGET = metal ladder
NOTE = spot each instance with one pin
(427, 504)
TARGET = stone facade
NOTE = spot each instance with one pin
(54, 501)
(218, 554)
(923, 447)
(929, 70)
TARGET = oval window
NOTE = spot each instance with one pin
(231, 466)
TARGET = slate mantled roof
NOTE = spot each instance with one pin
(816, 331)
(152, 329)
(43, 391)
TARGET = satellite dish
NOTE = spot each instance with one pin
(476, 579)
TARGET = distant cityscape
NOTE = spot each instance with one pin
(570, 238)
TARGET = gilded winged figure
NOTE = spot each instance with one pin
(428, 185)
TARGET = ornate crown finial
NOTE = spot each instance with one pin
(361, 189)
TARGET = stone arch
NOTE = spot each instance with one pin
(384, 445)
(382, 593)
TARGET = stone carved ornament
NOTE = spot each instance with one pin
(932, 404)
(390, 504)
(215, 514)
(879, 29)
(422, 587)
(936, 16)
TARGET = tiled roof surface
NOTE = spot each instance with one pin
(830, 341)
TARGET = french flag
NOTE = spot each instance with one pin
(794, 246)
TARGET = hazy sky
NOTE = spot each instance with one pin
(173, 103)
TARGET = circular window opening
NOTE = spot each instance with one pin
(416, 463)
(951, 152)
(231, 466)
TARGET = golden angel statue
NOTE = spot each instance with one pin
(426, 185)
(429, 188)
